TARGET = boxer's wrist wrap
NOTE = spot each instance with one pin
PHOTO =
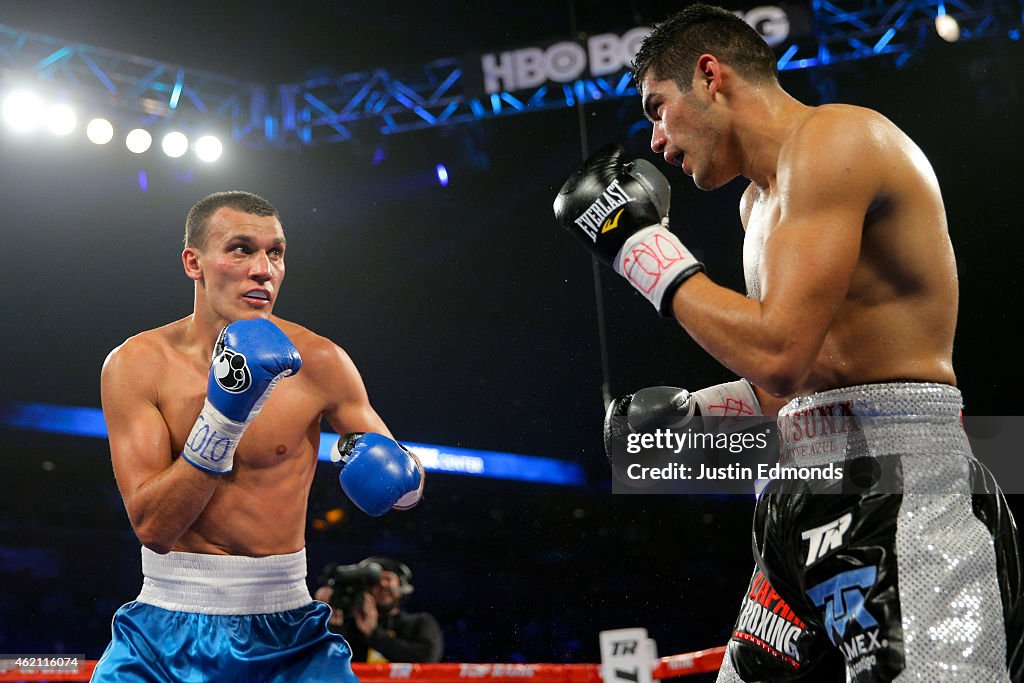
(342, 451)
(731, 399)
(211, 444)
(655, 262)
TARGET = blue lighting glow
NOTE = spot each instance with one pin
(442, 175)
(143, 181)
(179, 83)
(884, 40)
(788, 55)
(43, 417)
(88, 422)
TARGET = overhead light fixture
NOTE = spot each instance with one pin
(138, 140)
(22, 111)
(174, 144)
(61, 119)
(99, 131)
(947, 27)
(209, 148)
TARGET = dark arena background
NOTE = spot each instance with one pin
(416, 195)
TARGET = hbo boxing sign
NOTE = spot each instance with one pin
(603, 54)
(562, 62)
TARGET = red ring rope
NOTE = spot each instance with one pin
(674, 666)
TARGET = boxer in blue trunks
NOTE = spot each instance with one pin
(846, 335)
(214, 427)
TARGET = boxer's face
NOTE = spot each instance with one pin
(241, 264)
(686, 132)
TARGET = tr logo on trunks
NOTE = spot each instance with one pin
(843, 600)
(825, 538)
(601, 210)
(231, 371)
(768, 622)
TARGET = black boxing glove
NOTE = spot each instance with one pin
(619, 210)
(672, 408)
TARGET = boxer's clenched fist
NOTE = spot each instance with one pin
(249, 359)
(619, 210)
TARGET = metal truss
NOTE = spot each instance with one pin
(861, 29)
(436, 95)
(333, 109)
(367, 105)
(133, 89)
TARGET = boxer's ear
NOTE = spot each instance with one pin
(708, 73)
(190, 261)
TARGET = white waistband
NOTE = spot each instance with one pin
(224, 584)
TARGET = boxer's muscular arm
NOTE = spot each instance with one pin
(377, 473)
(348, 406)
(162, 497)
(827, 180)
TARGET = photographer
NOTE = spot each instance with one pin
(365, 604)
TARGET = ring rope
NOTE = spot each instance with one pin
(673, 666)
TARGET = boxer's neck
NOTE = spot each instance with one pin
(764, 118)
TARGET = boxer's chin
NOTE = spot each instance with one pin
(703, 181)
(707, 181)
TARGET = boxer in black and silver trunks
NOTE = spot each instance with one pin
(846, 333)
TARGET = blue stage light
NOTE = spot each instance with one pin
(88, 422)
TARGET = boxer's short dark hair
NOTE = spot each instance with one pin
(672, 48)
(200, 213)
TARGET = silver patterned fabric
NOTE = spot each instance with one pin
(951, 610)
(727, 673)
(876, 420)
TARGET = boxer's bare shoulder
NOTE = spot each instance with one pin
(326, 366)
(317, 351)
(137, 371)
(834, 154)
(136, 362)
(860, 149)
(152, 347)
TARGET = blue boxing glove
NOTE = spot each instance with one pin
(249, 359)
(378, 473)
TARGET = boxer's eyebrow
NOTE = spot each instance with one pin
(248, 239)
(649, 108)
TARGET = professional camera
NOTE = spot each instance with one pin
(350, 582)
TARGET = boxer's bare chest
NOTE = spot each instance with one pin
(764, 215)
(284, 428)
